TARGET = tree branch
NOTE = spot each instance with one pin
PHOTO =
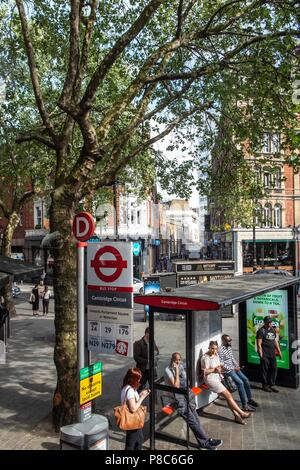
(223, 62)
(116, 51)
(179, 19)
(4, 209)
(37, 137)
(26, 197)
(33, 71)
(73, 66)
(140, 148)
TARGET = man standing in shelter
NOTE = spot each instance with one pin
(267, 345)
(231, 368)
(142, 359)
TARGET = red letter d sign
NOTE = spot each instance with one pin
(83, 226)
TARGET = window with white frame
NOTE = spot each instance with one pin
(268, 216)
(38, 215)
(271, 142)
(277, 178)
(258, 215)
(266, 146)
(267, 179)
(277, 216)
(275, 142)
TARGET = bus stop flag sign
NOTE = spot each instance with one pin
(83, 226)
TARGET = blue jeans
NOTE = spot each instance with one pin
(242, 384)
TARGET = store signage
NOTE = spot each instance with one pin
(177, 303)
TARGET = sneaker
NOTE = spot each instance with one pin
(215, 442)
(272, 389)
(266, 388)
(207, 446)
(253, 403)
(249, 408)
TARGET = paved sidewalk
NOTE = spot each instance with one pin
(28, 378)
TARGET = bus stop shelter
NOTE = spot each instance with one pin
(199, 309)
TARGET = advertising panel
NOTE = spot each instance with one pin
(275, 305)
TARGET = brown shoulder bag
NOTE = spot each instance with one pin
(127, 420)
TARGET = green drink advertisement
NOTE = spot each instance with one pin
(273, 304)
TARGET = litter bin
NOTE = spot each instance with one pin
(90, 435)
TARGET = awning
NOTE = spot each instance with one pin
(216, 294)
(17, 268)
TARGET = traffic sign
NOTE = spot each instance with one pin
(90, 388)
(83, 226)
(109, 267)
(90, 370)
(100, 264)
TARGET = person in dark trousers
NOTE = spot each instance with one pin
(175, 376)
(232, 369)
(129, 394)
(141, 357)
(35, 299)
(267, 345)
(46, 300)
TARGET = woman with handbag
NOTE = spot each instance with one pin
(134, 400)
(212, 369)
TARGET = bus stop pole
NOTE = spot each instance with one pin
(80, 311)
(152, 394)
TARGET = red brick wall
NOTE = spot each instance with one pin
(289, 191)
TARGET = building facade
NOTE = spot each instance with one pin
(276, 222)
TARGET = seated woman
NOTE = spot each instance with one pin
(212, 369)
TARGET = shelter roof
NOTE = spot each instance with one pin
(214, 295)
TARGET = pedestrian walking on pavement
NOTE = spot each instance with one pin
(35, 300)
(129, 394)
(232, 369)
(141, 357)
(175, 375)
(212, 369)
(46, 299)
(267, 346)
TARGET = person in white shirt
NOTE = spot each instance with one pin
(46, 299)
(129, 394)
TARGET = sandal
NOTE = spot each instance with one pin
(238, 419)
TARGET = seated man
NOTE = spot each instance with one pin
(175, 376)
(231, 368)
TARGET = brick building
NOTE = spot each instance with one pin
(277, 221)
